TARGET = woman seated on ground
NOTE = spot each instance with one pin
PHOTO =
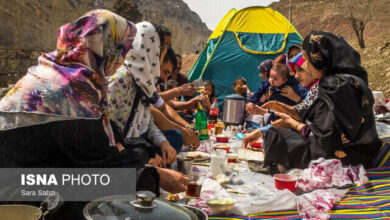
(132, 90)
(55, 115)
(339, 124)
(307, 80)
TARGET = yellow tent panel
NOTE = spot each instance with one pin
(260, 20)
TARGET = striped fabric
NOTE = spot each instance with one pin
(383, 158)
(369, 201)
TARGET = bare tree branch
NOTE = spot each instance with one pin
(359, 12)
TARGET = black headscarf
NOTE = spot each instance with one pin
(333, 54)
(265, 67)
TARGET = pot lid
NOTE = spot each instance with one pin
(235, 97)
(143, 206)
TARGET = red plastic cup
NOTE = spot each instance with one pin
(285, 181)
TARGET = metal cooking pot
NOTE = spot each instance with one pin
(234, 110)
(144, 207)
(28, 212)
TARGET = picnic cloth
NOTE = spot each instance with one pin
(367, 201)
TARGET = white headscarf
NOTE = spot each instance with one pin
(143, 65)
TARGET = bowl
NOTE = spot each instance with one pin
(223, 147)
(285, 181)
(221, 205)
(222, 139)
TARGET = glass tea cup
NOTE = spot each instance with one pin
(199, 86)
(194, 186)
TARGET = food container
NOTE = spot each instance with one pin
(285, 181)
(234, 110)
(221, 205)
(218, 128)
(222, 139)
(223, 147)
(144, 206)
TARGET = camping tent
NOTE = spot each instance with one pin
(240, 42)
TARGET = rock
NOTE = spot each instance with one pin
(29, 27)
(386, 45)
(388, 69)
(388, 75)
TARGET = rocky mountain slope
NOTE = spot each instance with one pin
(29, 27)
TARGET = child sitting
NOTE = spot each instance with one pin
(241, 88)
(208, 95)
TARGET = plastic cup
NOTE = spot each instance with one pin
(285, 181)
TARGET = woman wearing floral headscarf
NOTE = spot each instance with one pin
(340, 122)
(60, 103)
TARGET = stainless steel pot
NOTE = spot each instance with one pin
(143, 207)
(28, 212)
(24, 212)
(234, 110)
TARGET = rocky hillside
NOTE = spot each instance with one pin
(29, 27)
(326, 15)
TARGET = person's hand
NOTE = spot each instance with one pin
(206, 101)
(172, 181)
(168, 152)
(285, 121)
(157, 161)
(253, 109)
(187, 89)
(193, 103)
(190, 137)
(248, 91)
(289, 93)
(283, 108)
(119, 146)
(252, 137)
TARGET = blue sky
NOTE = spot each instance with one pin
(212, 11)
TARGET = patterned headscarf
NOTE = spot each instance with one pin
(143, 66)
(332, 54)
(265, 67)
(69, 82)
(298, 60)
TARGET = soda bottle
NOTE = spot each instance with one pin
(201, 123)
(214, 111)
